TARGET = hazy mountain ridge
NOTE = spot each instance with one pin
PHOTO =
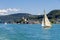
(54, 14)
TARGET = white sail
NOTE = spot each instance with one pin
(45, 21)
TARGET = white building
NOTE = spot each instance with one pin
(58, 21)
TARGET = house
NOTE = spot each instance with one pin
(57, 21)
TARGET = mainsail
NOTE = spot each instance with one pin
(45, 21)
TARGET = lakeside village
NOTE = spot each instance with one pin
(26, 21)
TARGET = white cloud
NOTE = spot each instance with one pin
(3, 11)
(6, 11)
(13, 9)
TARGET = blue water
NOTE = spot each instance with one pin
(29, 32)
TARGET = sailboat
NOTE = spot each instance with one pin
(45, 21)
(5, 23)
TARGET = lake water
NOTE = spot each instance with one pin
(29, 32)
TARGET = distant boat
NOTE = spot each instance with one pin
(45, 21)
(5, 23)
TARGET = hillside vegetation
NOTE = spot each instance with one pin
(52, 15)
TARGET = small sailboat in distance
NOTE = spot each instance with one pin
(45, 21)
(5, 23)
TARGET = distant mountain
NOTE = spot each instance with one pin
(13, 17)
(52, 15)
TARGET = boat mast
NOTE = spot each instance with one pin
(44, 16)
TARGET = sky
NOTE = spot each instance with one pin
(35, 7)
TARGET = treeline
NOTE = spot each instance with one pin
(17, 17)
